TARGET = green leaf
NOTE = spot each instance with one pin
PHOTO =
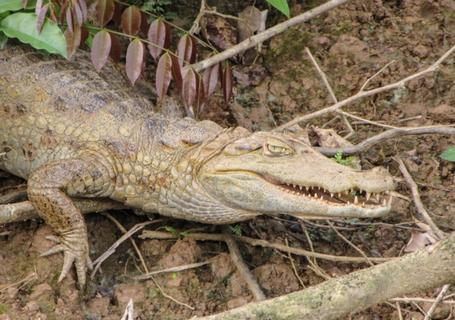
(449, 154)
(281, 5)
(14, 5)
(22, 25)
(3, 40)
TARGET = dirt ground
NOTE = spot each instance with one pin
(351, 43)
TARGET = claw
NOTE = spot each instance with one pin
(56, 249)
(74, 252)
(53, 239)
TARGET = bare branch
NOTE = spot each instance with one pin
(335, 298)
(236, 257)
(267, 34)
(418, 202)
(363, 94)
(389, 134)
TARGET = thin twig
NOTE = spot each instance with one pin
(389, 134)
(376, 74)
(196, 23)
(329, 89)
(172, 269)
(375, 123)
(352, 245)
(363, 94)
(419, 299)
(97, 263)
(170, 297)
(32, 276)
(253, 41)
(291, 260)
(438, 300)
(417, 201)
(133, 242)
(150, 234)
(397, 306)
(243, 268)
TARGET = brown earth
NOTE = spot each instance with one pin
(351, 43)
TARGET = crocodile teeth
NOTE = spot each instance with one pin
(377, 197)
(356, 200)
(331, 194)
(315, 195)
(384, 202)
(368, 196)
(300, 187)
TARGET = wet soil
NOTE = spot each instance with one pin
(351, 44)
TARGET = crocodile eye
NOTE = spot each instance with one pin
(277, 148)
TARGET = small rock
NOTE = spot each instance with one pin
(421, 51)
(99, 306)
(276, 278)
(183, 252)
(31, 306)
(237, 302)
(41, 291)
(125, 291)
(322, 41)
(222, 266)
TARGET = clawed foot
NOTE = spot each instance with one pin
(75, 251)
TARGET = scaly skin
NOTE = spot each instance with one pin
(73, 132)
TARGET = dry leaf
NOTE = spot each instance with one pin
(100, 49)
(134, 59)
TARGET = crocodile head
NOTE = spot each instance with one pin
(277, 173)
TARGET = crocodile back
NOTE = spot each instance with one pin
(50, 106)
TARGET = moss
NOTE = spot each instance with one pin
(3, 308)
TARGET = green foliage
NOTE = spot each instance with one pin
(281, 5)
(22, 25)
(159, 8)
(175, 232)
(14, 5)
(236, 229)
(3, 308)
(345, 161)
(449, 154)
(3, 40)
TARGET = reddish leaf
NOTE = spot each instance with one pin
(189, 89)
(158, 34)
(186, 50)
(226, 82)
(53, 14)
(131, 20)
(210, 79)
(84, 35)
(163, 75)
(104, 10)
(144, 23)
(77, 14)
(38, 6)
(73, 40)
(200, 93)
(177, 73)
(63, 12)
(118, 9)
(116, 49)
(134, 58)
(83, 6)
(100, 49)
(69, 20)
(41, 17)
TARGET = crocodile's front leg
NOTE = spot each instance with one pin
(49, 190)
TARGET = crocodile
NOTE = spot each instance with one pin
(72, 132)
